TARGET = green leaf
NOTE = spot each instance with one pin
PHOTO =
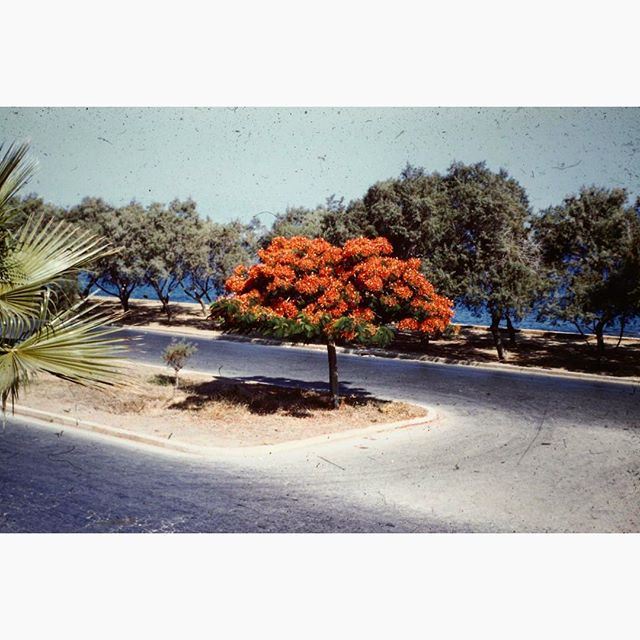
(15, 171)
(73, 345)
(35, 338)
(43, 254)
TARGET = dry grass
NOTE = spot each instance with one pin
(215, 411)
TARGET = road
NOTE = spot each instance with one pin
(509, 452)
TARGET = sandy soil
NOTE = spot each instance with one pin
(546, 349)
(212, 411)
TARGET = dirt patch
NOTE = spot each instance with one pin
(534, 348)
(211, 411)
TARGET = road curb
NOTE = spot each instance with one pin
(58, 420)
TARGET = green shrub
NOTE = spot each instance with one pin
(176, 355)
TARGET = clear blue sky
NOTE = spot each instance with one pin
(238, 162)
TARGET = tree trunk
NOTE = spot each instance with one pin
(165, 307)
(202, 304)
(600, 340)
(85, 291)
(512, 332)
(622, 323)
(175, 383)
(497, 339)
(333, 373)
(164, 300)
(124, 299)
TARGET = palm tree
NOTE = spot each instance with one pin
(37, 333)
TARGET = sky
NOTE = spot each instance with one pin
(238, 162)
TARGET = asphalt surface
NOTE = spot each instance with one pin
(509, 452)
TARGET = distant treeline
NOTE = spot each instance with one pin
(480, 242)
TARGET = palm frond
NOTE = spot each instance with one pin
(35, 337)
(15, 171)
(74, 345)
(44, 253)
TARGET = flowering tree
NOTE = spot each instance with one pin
(308, 289)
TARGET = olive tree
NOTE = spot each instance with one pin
(31, 206)
(215, 253)
(119, 274)
(590, 247)
(93, 215)
(470, 228)
(295, 221)
(171, 241)
(491, 255)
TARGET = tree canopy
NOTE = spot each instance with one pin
(406, 211)
(470, 228)
(125, 227)
(171, 241)
(27, 207)
(307, 289)
(295, 221)
(216, 253)
(590, 247)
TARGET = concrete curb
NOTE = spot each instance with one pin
(392, 355)
(216, 452)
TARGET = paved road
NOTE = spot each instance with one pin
(511, 452)
(83, 483)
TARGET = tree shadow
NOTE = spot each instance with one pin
(548, 349)
(263, 395)
(141, 314)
